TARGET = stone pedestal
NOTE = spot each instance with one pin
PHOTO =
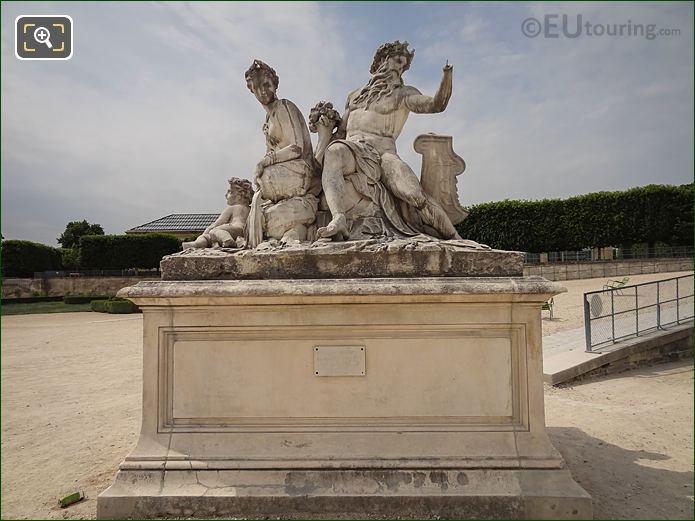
(402, 398)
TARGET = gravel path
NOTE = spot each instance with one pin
(71, 391)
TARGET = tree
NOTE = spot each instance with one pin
(76, 229)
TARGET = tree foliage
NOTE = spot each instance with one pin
(71, 258)
(74, 230)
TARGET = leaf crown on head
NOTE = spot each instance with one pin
(392, 49)
(260, 67)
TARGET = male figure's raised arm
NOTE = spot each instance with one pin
(421, 104)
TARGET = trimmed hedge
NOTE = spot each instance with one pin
(99, 305)
(121, 307)
(23, 258)
(650, 214)
(114, 305)
(82, 299)
(118, 252)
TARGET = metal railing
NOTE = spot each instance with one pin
(558, 256)
(613, 314)
(659, 252)
(609, 254)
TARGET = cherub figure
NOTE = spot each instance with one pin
(229, 227)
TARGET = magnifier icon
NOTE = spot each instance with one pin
(43, 35)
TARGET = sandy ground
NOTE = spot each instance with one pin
(628, 440)
(71, 391)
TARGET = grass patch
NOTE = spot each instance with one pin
(42, 307)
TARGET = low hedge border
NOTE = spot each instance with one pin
(121, 307)
(99, 305)
(114, 305)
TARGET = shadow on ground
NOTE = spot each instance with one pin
(627, 480)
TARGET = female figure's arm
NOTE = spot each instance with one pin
(288, 121)
(293, 140)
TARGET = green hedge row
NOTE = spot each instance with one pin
(116, 252)
(98, 305)
(114, 305)
(23, 258)
(121, 307)
(650, 214)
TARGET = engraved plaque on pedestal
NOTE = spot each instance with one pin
(339, 361)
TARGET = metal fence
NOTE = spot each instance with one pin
(608, 254)
(613, 314)
(653, 253)
(559, 256)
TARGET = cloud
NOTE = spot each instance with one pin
(152, 114)
(552, 118)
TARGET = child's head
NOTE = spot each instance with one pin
(240, 191)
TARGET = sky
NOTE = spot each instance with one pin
(151, 115)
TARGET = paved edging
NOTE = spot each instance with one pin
(675, 342)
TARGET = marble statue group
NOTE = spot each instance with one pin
(329, 346)
(354, 186)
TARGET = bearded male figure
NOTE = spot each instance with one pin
(373, 119)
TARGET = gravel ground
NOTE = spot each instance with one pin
(71, 391)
